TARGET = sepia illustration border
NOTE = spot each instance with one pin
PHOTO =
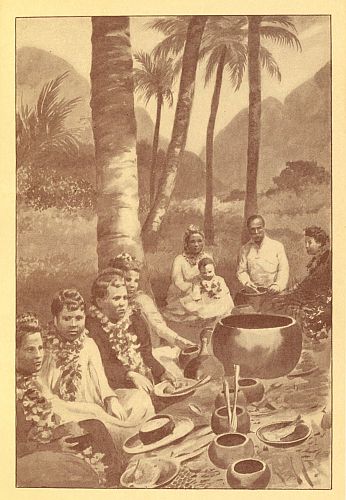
(14, 10)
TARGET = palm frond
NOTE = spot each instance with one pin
(268, 63)
(281, 36)
(169, 25)
(212, 63)
(172, 45)
(155, 77)
(285, 21)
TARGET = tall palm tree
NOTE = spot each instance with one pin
(223, 45)
(176, 147)
(154, 78)
(41, 133)
(280, 30)
(114, 128)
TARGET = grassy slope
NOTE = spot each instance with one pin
(56, 251)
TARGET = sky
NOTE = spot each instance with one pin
(70, 38)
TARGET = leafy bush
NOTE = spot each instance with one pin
(299, 174)
(42, 190)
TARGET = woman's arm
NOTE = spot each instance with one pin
(143, 335)
(154, 319)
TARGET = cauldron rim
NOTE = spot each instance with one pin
(290, 324)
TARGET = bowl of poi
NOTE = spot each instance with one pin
(156, 432)
(284, 434)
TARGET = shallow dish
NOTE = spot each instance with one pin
(300, 434)
(168, 470)
(163, 389)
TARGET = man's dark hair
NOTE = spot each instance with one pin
(318, 234)
(254, 217)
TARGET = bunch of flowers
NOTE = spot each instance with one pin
(122, 340)
(37, 409)
(66, 354)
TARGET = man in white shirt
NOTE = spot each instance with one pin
(262, 261)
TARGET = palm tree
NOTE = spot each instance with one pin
(223, 45)
(280, 30)
(154, 78)
(179, 133)
(41, 133)
(114, 128)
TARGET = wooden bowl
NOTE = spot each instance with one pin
(252, 388)
(264, 345)
(220, 423)
(156, 428)
(248, 474)
(228, 448)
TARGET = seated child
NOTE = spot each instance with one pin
(209, 296)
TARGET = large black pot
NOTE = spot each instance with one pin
(265, 346)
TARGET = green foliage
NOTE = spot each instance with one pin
(298, 174)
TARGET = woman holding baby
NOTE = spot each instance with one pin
(196, 297)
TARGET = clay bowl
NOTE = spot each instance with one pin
(248, 474)
(264, 345)
(186, 355)
(228, 448)
(252, 388)
(156, 428)
(220, 399)
(220, 423)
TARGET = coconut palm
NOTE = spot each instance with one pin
(41, 133)
(154, 78)
(114, 128)
(280, 30)
(180, 128)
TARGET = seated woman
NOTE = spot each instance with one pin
(41, 434)
(73, 371)
(209, 296)
(145, 304)
(184, 272)
(310, 300)
(122, 336)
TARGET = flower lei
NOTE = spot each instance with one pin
(37, 409)
(66, 354)
(194, 259)
(211, 288)
(122, 340)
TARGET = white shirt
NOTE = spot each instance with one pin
(263, 265)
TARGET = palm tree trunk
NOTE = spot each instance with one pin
(176, 147)
(254, 128)
(154, 150)
(114, 128)
(209, 188)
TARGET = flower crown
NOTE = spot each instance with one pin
(124, 261)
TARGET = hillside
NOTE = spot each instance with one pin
(298, 129)
(34, 67)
